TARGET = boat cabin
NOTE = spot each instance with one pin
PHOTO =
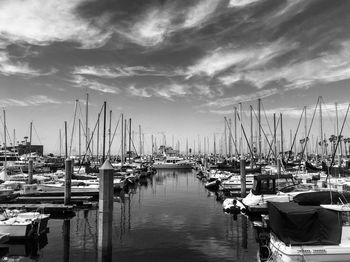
(270, 184)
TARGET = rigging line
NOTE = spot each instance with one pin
(89, 142)
(245, 136)
(72, 134)
(267, 121)
(308, 133)
(37, 134)
(273, 140)
(296, 133)
(115, 130)
(262, 129)
(231, 137)
(338, 140)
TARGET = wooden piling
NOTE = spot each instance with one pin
(105, 212)
(68, 181)
(278, 166)
(243, 177)
(30, 171)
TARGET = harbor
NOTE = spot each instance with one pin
(165, 130)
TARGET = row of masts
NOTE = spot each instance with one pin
(229, 146)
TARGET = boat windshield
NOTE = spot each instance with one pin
(346, 218)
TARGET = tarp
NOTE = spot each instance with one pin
(304, 225)
(321, 198)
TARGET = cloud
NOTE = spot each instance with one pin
(200, 13)
(240, 59)
(9, 67)
(172, 90)
(29, 101)
(41, 22)
(327, 67)
(83, 82)
(124, 71)
(141, 92)
(241, 3)
(230, 101)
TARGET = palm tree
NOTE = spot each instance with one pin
(333, 139)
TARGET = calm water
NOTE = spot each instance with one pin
(170, 217)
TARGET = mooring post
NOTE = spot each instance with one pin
(30, 171)
(243, 177)
(278, 166)
(68, 181)
(105, 212)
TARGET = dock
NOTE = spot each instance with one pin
(46, 208)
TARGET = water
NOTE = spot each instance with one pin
(171, 217)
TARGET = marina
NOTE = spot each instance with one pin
(180, 131)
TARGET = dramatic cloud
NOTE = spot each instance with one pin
(240, 59)
(328, 67)
(200, 13)
(41, 22)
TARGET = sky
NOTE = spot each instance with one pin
(176, 68)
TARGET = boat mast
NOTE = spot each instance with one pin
(30, 137)
(306, 138)
(140, 136)
(282, 136)
(321, 128)
(336, 113)
(98, 137)
(79, 140)
(104, 132)
(5, 145)
(259, 128)
(229, 137)
(235, 120)
(109, 133)
(241, 135)
(125, 125)
(60, 142)
(65, 140)
(122, 142)
(87, 124)
(129, 140)
(251, 135)
(274, 136)
(225, 132)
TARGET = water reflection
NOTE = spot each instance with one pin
(169, 216)
(20, 249)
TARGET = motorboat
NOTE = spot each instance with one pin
(277, 188)
(173, 163)
(23, 224)
(309, 233)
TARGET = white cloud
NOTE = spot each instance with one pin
(141, 92)
(83, 82)
(200, 13)
(8, 67)
(240, 59)
(230, 101)
(40, 22)
(329, 67)
(123, 71)
(29, 101)
(241, 3)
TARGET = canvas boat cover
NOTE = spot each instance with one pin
(304, 225)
